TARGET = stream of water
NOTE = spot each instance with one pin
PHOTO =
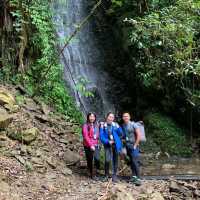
(82, 59)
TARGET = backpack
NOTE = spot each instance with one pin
(142, 131)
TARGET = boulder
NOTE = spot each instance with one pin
(71, 157)
(26, 136)
(174, 187)
(6, 97)
(5, 120)
(30, 135)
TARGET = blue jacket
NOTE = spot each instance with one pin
(117, 133)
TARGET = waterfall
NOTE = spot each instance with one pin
(82, 58)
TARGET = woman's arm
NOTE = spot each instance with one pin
(103, 139)
(86, 135)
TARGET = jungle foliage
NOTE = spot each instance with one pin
(31, 57)
(161, 41)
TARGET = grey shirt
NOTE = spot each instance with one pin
(129, 130)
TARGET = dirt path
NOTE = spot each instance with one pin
(40, 160)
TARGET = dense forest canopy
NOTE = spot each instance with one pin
(161, 41)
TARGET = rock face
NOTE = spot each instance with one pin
(26, 136)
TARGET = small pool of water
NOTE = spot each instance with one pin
(170, 166)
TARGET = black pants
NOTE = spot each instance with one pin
(111, 155)
(92, 156)
(134, 161)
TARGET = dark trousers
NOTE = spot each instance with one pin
(111, 155)
(134, 161)
(92, 156)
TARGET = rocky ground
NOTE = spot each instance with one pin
(41, 158)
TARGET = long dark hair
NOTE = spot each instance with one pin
(109, 113)
(88, 116)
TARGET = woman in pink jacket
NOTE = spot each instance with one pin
(90, 131)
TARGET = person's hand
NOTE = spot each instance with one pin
(92, 148)
(124, 141)
(111, 142)
(135, 146)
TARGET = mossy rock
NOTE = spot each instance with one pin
(26, 136)
(8, 101)
(6, 97)
(5, 120)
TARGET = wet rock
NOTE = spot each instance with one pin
(71, 157)
(5, 120)
(26, 136)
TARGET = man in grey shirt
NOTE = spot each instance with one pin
(132, 138)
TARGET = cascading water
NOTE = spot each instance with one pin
(82, 58)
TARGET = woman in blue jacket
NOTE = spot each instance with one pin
(110, 133)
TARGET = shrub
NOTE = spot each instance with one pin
(167, 134)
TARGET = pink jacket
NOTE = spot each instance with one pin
(88, 135)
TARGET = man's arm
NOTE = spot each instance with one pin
(137, 135)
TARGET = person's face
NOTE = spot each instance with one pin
(110, 118)
(126, 117)
(92, 118)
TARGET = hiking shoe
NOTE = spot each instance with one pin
(105, 178)
(136, 180)
(95, 178)
(114, 179)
